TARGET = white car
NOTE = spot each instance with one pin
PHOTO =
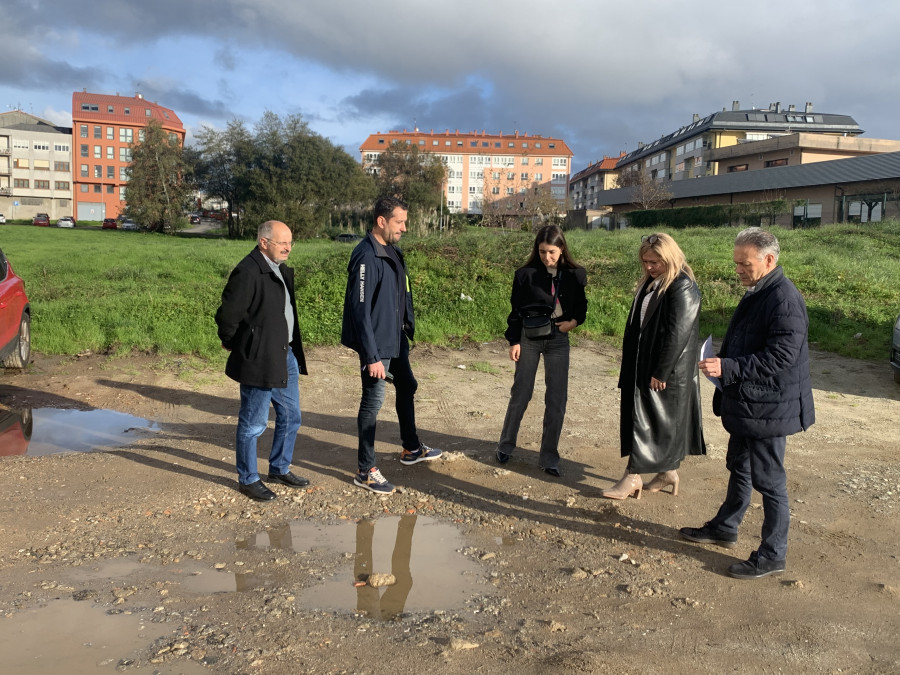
(2, 219)
(129, 224)
(66, 221)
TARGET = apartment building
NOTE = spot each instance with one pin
(584, 186)
(35, 167)
(104, 128)
(685, 153)
(483, 168)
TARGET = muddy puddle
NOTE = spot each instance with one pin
(47, 431)
(78, 638)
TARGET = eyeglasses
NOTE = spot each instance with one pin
(279, 243)
(650, 239)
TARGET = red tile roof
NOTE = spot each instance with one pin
(137, 104)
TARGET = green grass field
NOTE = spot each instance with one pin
(116, 292)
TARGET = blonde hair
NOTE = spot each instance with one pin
(672, 256)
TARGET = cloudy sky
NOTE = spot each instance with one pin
(599, 74)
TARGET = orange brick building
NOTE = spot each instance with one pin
(104, 129)
(484, 167)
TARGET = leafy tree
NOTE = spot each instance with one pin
(416, 177)
(157, 190)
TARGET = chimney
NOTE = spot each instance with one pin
(137, 94)
(696, 117)
(778, 106)
(640, 144)
(735, 105)
(809, 106)
(792, 108)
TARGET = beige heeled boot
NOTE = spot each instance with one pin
(630, 483)
(663, 480)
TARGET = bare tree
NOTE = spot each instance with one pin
(646, 192)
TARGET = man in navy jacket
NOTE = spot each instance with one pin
(378, 324)
(765, 395)
(258, 325)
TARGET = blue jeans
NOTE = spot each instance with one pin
(254, 416)
(556, 376)
(373, 397)
(757, 464)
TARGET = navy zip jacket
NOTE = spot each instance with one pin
(251, 324)
(373, 319)
(766, 387)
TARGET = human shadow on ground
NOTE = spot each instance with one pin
(327, 446)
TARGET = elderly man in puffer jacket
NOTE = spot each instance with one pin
(765, 394)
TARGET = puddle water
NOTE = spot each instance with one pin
(46, 431)
(420, 552)
(65, 636)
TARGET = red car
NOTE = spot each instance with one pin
(109, 224)
(41, 219)
(15, 318)
(15, 432)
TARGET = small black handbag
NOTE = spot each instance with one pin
(536, 323)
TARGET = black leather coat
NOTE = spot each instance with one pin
(658, 428)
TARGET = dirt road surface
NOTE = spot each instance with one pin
(145, 558)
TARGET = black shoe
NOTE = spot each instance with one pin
(709, 535)
(257, 491)
(755, 568)
(553, 471)
(502, 457)
(288, 479)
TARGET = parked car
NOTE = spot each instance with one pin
(2, 219)
(15, 431)
(15, 318)
(41, 219)
(109, 224)
(129, 224)
(194, 219)
(66, 221)
(895, 351)
(347, 237)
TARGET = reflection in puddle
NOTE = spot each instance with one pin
(420, 552)
(65, 636)
(46, 431)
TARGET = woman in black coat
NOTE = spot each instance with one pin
(551, 284)
(660, 420)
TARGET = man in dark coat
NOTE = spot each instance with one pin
(764, 394)
(258, 324)
(378, 324)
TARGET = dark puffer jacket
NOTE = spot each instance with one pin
(766, 388)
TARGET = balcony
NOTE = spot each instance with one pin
(5, 152)
(5, 192)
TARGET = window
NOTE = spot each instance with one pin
(83, 130)
(127, 111)
(110, 109)
(485, 144)
(495, 175)
(60, 166)
(524, 175)
(42, 185)
(41, 146)
(83, 187)
(776, 162)
(511, 175)
(110, 189)
(537, 145)
(422, 142)
(111, 172)
(98, 151)
(122, 194)
(147, 112)
(124, 154)
(126, 135)
(473, 144)
(539, 161)
(123, 173)
(110, 134)
(19, 144)
(20, 182)
(61, 148)
(42, 164)
(434, 142)
(84, 170)
(98, 132)
(510, 190)
(524, 161)
(497, 144)
(737, 167)
(98, 171)
(538, 176)
(98, 188)
(495, 190)
(561, 161)
(472, 189)
(20, 163)
(62, 185)
(110, 152)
